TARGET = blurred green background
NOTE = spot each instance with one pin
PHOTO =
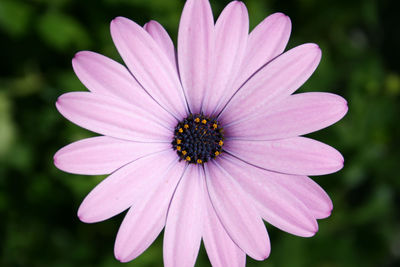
(38, 203)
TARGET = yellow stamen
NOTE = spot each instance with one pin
(197, 120)
(188, 158)
(199, 161)
(178, 141)
(180, 130)
(204, 121)
(215, 126)
(186, 126)
(217, 153)
(178, 148)
(220, 143)
(184, 152)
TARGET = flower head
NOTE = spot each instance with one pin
(204, 141)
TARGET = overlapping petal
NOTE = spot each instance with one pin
(221, 250)
(298, 155)
(110, 116)
(274, 82)
(308, 192)
(276, 205)
(161, 37)
(195, 51)
(145, 220)
(231, 33)
(265, 42)
(121, 189)
(105, 76)
(182, 236)
(296, 115)
(102, 154)
(236, 212)
(149, 64)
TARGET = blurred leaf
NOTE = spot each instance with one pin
(7, 128)
(393, 84)
(29, 83)
(62, 31)
(15, 16)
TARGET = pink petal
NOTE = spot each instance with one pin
(145, 220)
(195, 50)
(265, 42)
(231, 31)
(124, 187)
(275, 203)
(105, 76)
(110, 116)
(221, 250)
(160, 35)
(296, 115)
(236, 212)
(274, 82)
(102, 154)
(298, 155)
(182, 236)
(149, 64)
(308, 192)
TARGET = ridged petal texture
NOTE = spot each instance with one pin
(196, 50)
(161, 37)
(109, 116)
(221, 250)
(296, 115)
(149, 64)
(146, 219)
(264, 43)
(231, 31)
(105, 76)
(184, 220)
(237, 213)
(274, 82)
(102, 154)
(120, 190)
(276, 204)
(297, 155)
(248, 83)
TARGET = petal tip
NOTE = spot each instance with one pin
(280, 15)
(118, 254)
(329, 213)
(238, 3)
(345, 106)
(117, 21)
(83, 217)
(263, 255)
(266, 255)
(78, 55)
(313, 47)
(56, 161)
(58, 102)
(311, 232)
(149, 24)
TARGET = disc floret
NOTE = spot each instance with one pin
(198, 139)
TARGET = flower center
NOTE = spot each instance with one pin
(198, 138)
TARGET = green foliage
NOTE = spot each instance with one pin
(38, 203)
(61, 31)
(14, 17)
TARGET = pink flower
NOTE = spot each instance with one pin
(205, 141)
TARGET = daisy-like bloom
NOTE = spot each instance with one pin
(203, 141)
